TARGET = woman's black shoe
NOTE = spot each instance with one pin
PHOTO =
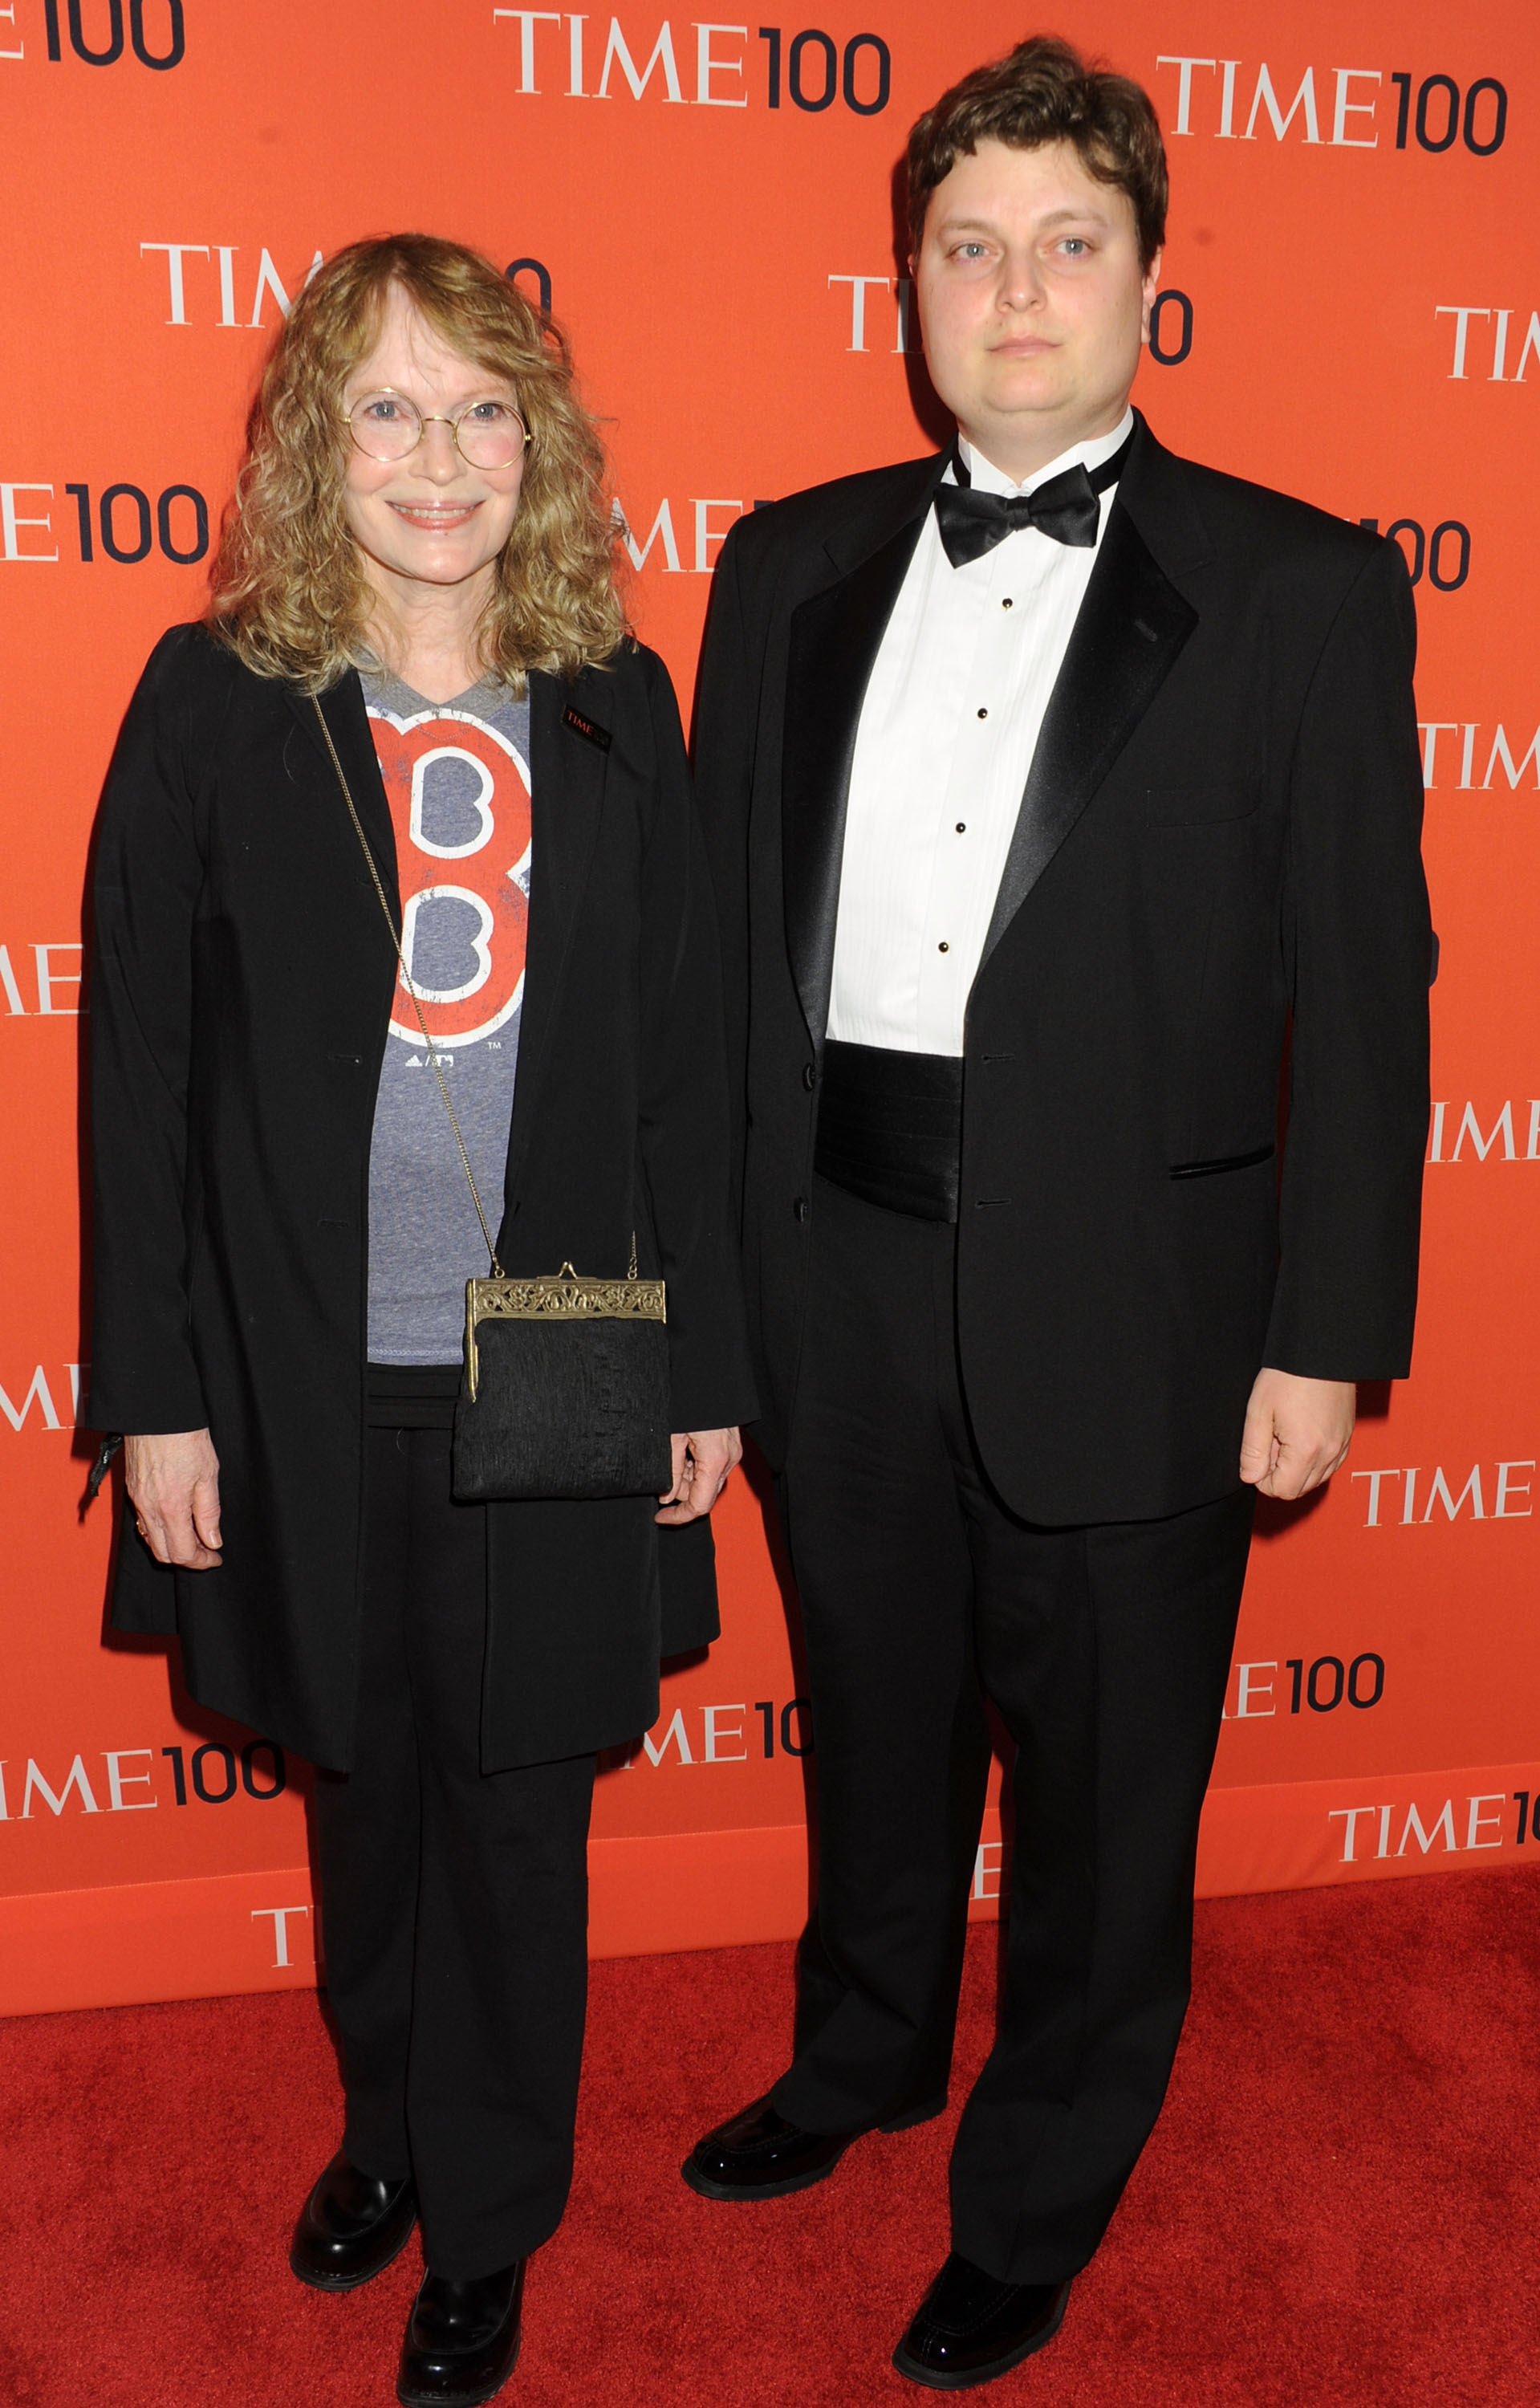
(462, 2340)
(970, 2327)
(350, 2228)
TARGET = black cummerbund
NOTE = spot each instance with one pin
(890, 1127)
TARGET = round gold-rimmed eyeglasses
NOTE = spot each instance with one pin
(486, 434)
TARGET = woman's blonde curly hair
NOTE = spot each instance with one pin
(289, 596)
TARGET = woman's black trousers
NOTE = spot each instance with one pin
(454, 1902)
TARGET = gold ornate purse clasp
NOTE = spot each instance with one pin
(563, 1294)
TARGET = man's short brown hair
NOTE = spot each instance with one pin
(1045, 92)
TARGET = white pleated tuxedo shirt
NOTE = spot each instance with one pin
(947, 730)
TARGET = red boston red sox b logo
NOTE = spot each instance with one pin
(481, 867)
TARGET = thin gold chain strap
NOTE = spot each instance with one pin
(407, 982)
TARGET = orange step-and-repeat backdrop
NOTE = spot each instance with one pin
(1351, 311)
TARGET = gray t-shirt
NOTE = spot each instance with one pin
(457, 778)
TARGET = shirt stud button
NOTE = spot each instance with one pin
(961, 827)
(983, 714)
(943, 947)
(1007, 604)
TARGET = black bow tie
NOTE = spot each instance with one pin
(1068, 508)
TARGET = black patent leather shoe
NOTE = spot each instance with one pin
(350, 2228)
(969, 2327)
(462, 2341)
(759, 2155)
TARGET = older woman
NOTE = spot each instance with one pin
(284, 1226)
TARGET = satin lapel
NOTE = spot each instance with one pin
(347, 721)
(1131, 628)
(834, 643)
(567, 774)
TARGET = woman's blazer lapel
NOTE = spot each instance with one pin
(347, 722)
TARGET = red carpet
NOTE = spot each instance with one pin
(1339, 2207)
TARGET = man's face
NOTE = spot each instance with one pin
(1032, 301)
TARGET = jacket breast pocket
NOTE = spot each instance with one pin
(1204, 802)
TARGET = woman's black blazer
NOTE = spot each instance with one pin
(240, 996)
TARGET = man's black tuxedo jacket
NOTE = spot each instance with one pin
(1215, 869)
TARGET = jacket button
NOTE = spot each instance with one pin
(800, 1208)
(809, 1077)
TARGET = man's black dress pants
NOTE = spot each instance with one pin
(1105, 1650)
(454, 1902)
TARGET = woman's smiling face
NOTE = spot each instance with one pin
(431, 519)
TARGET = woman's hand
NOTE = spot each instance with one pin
(702, 1461)
(173, 1481)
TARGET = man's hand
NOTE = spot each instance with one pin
(702, 1461)
(1297, 1432)
(173, 1481)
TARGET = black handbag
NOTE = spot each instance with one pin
(564, 1392)
(565, 1388)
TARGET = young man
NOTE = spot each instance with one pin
(1055, 785)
